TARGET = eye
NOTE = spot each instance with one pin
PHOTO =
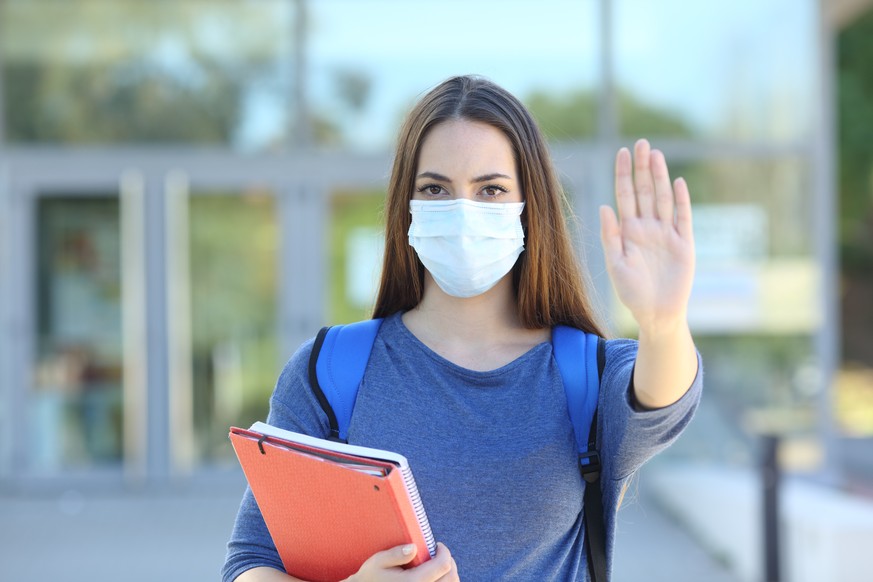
(494, 190)
(432, 190)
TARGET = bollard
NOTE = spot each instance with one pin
(770, 482)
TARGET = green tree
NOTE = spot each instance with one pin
(855, 114)
(98, 71)
(855, 90)
(573, 115)
(122, 103)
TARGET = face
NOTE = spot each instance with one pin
(466, 159)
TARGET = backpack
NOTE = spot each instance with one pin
(335, 381)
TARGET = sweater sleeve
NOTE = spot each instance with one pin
(631, 436)
(293, 406)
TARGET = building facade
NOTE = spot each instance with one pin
(190, 190)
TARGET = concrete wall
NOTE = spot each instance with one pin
(826, 534)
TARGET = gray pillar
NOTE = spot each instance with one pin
(824, 218)
(304, 219)
(608, 115)
(131, 197)
(158, 381)
(301, 126)
(602, 180)
(7, 435)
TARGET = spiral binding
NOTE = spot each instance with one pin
(418, 506)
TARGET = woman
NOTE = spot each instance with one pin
(461, 380)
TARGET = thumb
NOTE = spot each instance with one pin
(610, 233)
(396, 556)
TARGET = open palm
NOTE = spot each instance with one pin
(649, 246)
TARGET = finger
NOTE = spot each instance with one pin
(452, 575)
(624, 185)
(684, 224)
(643, 183)
(610, 234)
(396, 556)
(663, 190)
(435, 568)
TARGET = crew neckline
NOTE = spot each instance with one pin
(397, 320)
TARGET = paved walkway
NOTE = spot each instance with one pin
(145, 537)
(650, 547)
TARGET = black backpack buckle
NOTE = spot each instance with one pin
(590, 471)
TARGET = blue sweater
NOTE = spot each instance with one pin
(493, 452)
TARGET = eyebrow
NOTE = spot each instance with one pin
(482, 178)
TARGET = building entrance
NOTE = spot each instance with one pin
(149, 301)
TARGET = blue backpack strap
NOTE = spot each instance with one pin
(581, 378)
(576, 354)
(336, 368)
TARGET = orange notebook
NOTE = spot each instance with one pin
(329, 506)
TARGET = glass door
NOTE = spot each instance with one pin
(76, 402)
(81, 357)
(223, 279)
(150, 310)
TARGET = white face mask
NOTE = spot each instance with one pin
(466, 246)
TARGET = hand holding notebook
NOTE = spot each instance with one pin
(329, 506)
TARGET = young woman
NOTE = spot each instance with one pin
(462, 381)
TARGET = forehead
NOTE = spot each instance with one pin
(466, 148)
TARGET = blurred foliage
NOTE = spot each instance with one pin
(565, 117)
(234, 249)
(637, 118)
(99, 71)
(855, 101)
(573, 115)
(780, 186)
(855, 90)
(125, 103)
(234, 264)
(349, 211)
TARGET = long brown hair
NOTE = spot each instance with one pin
(548, 280)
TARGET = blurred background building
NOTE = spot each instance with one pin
(190, 189)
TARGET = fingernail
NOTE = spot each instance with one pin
(408, 549)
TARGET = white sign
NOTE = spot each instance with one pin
(364, 249)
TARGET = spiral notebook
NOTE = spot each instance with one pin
(329, 506)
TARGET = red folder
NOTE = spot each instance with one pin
(327, 507)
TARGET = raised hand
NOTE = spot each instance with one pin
(649, 251)
(649, 246)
